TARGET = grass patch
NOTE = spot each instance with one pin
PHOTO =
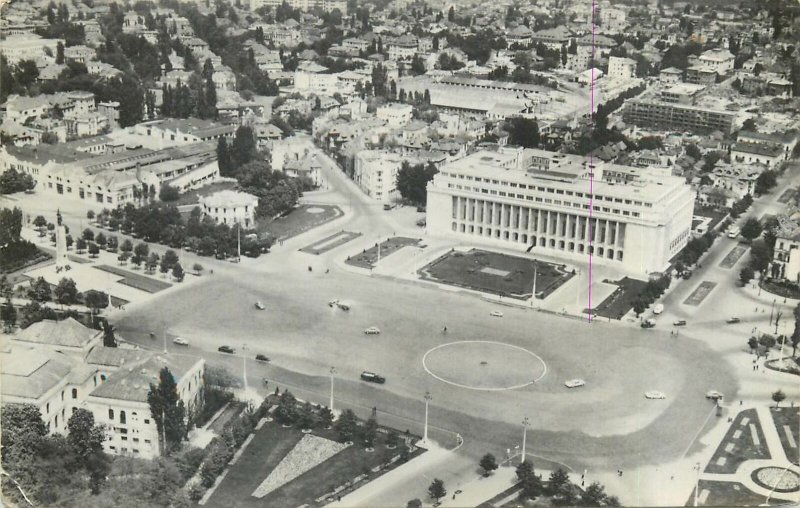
(781, 288)
(621, 301)
(19, 256)
(271, 444)
(299, 220)
(788, 416)
(729, 494)
(135, 280)
(369, 257)
(716, 215)
(330, 242)
(492, 272)
(743, 446)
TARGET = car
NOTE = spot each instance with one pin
(179, 341)
(680, 322)
(574, 383)
(372, 330)
(733, 320)
(259, 305)
(496, 313)
(343, 306)
(714, 395)
(658, 308)
(421, 223)
(648, 323)
(372, 377)
(262, 358)
(333, 303)
(226, 349)
(653, 395)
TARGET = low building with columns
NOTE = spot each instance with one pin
(559, 205)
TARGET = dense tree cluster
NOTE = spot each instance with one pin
(412, 181)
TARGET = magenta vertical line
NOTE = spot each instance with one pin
(591, 167)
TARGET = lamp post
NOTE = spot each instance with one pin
(425, 429)
(244, 368)
(696, 483)
(525, 423)
(332, 372)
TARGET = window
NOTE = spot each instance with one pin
(102, 377)
(48, 407)
(122, 418)
(74, 393)
(110, 414)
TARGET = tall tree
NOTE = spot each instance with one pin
(224, 158)
(66, 292)
(167, 409)
(109, 340)
(436, 489)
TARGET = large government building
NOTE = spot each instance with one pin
(558, 204)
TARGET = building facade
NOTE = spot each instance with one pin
(539, 201)
(230, 207)
(665, 116)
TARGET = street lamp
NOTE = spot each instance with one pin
(244, 368)
(525, 423)
(425, 429)
(332, 372)
(697, 482)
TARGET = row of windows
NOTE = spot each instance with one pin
(549, 190)
(558, 202)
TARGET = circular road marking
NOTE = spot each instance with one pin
(481, 364)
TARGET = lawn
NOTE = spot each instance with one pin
(788, 417)
(135, 280)
(715, 214)
(618, 303)
(299, 220)
(785, 289)
(271, 444)
(729, 494)
(330, 242)
(369, 257)
(744, 447)
(496, 273)
(192, 197)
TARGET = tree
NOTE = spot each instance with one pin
(140, 253)
(559, 481)
(693, 151)
(40, 290)
(414, 503)
(765, 182)
(796, 331)
(169, 193)
(347, 426)
(109, 339)
(40, 223)
(746, 275)
(88, 235)
(66, 292)
(370, 432)
(177, 272)
(778, 397)
(751, 229)
(86, 439)
(523, 132)
(436, 489)
(95, 300)
(23, 429)
(112, 244)
(170, 259)
(101, 240)
(488, 463)
(224, 158)
(753, 343)
(243, 149)
(126, 246)
(198, 268)
(8, 314)
(94, 250)
(412, 181)
(167, 410)
(60, 53)
(595, 495)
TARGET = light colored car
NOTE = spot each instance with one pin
(372, 330)
(496, 313)
(653, 394)
(179, 341)
(259, 305)
(333, 303)
(574, 383)
(714, 395)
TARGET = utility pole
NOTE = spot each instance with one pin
(164, 333)
(244, 368)
(525, 423)
(425, 430)
(332, 372)
(771, 310)
(697, 483)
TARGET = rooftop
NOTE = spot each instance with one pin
(228, 199)
(132, 383)
(67, 333)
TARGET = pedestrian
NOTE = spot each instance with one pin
(454, 496)
(740, 402)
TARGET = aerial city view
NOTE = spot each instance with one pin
(396, 253)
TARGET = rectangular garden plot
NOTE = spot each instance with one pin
(135, 280)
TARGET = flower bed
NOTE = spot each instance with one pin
(309, 452)
(777, 478)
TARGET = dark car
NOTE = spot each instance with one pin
(225, 349)
(733, 320)
(680, 322)
(262, 358)
(372, 377)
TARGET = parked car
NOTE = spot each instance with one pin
(372, 330)
(658, 308)
(226, 349)
(680, 322)
(714, 395)
(179, 341)
(648, 323)
(496, 313)
(733, 232)
(262, 358)
(574, 383)
(372, 377)
(343, 306)
(653, 394)
(259, 305)
(388, 206)
(332, 303)
(733, 320)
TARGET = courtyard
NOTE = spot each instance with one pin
(496, 273)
